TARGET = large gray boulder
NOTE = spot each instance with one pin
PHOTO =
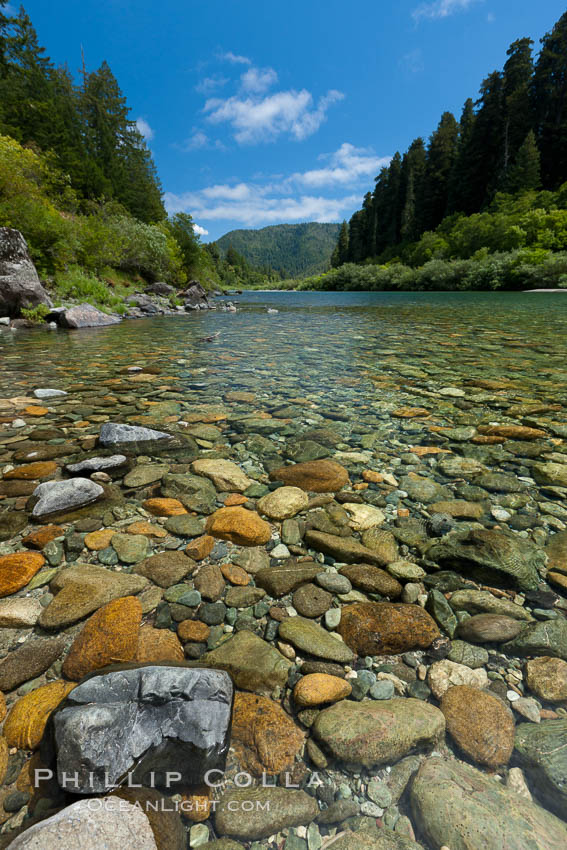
(86, 316)
(160, 288)
(148, 722)
(20, 286)
(195, 297)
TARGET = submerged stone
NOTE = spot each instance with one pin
(457, 806)
(56, 496)
(141, 720)
(113, 433)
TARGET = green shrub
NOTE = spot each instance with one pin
(37, 314)
(79, 285)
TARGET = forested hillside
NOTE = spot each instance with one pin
(294, 250)
(486, 183)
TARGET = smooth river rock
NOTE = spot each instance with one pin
(370, 733)
(381, 628)
(491, 557)
(56, 496)
(542, 752)
(480, 724)
(113, 433)
(113, 824)
(543, 638)
(254, 813)
(283, 503)
(309, 637)
(82, 589)
(253, 664)
(459, 807)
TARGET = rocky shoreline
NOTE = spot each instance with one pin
(393, 620)
(21, 289)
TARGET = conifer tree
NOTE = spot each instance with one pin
(441, 154)
(525, 172)
(518, 72)
(549, 99)
(413, 174)
(340, 254)
(461, 174)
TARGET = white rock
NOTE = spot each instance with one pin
(352, 457)
(48, 393)
(19, 613)
(108, 822)
(516, 781)
(5, 320)
(445, 674)
(113, 433)
(363, 516)
(283, 503)
(225, 475)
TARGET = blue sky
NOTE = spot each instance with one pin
(260, 112)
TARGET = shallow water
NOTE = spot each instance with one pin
(318, 344)
(401, 389)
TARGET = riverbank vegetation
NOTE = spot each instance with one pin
(482, 205)
(78, 180)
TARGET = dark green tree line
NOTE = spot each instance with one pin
(86, 125)
(512, 139)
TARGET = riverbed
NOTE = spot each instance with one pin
(380, 470)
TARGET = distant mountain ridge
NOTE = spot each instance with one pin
(295, 250)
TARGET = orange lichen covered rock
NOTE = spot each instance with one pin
(317, 688)
(240, 526)
(97, 540)
(108, 637)
(157, 645)
(264, 737)
(146, 528)
(193, 630)
(40, 537)
(32, 471)
(17, 570)
(200, 547)
(314, 476)
(25, 724)
(164, 507)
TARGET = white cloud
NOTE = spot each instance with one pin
(145, 129)
(255, 119)
(298, 197)
(210, 84)
(240, 192)
(196, 141)
(235, 59)
(345, 166)
(441, 9)
(258, 80)
(259, 209)
(200, 231)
